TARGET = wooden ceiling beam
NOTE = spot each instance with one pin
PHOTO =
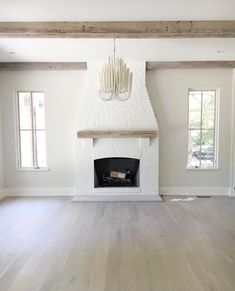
(190, 65)
(42, 66)
(120, 29)
(50, 66)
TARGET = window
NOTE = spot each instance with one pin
(202, 125)
(31, 133)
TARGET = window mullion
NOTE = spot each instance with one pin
(19, 132)
(35, 139)
(201, 130)
(214, 137)
(33, 131)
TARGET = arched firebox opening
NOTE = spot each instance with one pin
(116, 172)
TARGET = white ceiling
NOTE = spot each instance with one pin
(109, 10)
(76, 50)
(98, 10)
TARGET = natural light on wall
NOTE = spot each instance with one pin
(202, 129)
(31, 130)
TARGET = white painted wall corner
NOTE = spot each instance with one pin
(3, 193)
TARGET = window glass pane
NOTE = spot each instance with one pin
(25, 116)
(207, 148)
(195, 109)
(208, 109)
(41, 148)
(26, 148)
(32, 140)
(201, 143)
(39, 110)
(194, 142)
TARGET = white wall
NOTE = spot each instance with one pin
(232, 182)
(73, 10)
(62, 91)
(168, 91)
(1, 156)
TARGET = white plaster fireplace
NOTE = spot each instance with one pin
(117, 129)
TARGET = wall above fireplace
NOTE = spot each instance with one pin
(136, 113)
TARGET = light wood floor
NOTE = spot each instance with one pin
(52, 244)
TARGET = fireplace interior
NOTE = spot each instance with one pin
(116, 172)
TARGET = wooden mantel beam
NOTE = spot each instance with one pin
(116, 134)
(120, 29)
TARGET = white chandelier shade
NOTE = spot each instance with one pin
(115, 79)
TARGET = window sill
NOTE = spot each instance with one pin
(203, 169)
(32, 169)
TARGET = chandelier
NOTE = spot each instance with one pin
(115, 79)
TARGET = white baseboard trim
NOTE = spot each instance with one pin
(117, 198)
(3, 193)
(194, 191)
(41, 191)
(71, 191)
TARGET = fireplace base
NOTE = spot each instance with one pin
(145, 150)
(116, 198)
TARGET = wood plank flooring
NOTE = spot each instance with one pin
(51, 244)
